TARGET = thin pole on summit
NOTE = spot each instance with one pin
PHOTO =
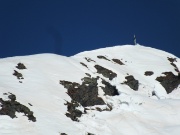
(135, 39)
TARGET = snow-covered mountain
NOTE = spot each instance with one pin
(121, 90)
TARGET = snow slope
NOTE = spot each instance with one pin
(133, 112)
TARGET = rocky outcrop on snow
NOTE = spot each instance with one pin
(21, 66)
(109, 89)
(11, 106)
(103, 57)
(105, 72)
(118, 61)
(63, 134)
(169, 81)
(85, 95)
(83, 64)
(172, 60)
(89, 59)
(18, 75)
(73, 113)
(149, 73)
(132, 82)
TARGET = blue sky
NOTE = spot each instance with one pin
(67, 27)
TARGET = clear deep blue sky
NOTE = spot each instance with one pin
(67, 27)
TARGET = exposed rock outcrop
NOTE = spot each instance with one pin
(90, 134)
(118, 61)
(89, 59)
(88, 74)
(18, 75)
(10, 107)
(109, 89)
(73, 113)
(105, 72)
(102, 57)
(172, 60)
(132, 82)
(149, 73)
(169, 81)
(106, 109)
(84, 64)
(63, 134)
(21, 66)
(86, 94)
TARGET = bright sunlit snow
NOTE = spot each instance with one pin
(133, 112)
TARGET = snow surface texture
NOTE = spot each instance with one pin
(33, 100)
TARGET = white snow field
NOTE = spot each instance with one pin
(133, 112)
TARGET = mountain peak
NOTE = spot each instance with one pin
(125, 89)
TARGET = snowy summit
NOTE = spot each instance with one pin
(121, 90)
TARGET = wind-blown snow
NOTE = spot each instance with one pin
(133, 112)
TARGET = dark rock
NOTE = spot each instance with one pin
(84, 64)
(30, 104)
(102, 57)
(21, 66)
(172, 60)
(169, 81)
(89, 59)
(118, 61)
(132, 82)
(12, 97)
(90, 133)
(63, 134)
(85, 94)
(90, 81)
(18, 75)
(109, 106)
(153, 93)
(105, 72)
(101, 110)
(148, 73)
(175, 67)
(73, 113)
(109, 89)
(69, 85)
(88, 74)
(11, 106)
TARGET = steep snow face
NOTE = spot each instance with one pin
(110, 91)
